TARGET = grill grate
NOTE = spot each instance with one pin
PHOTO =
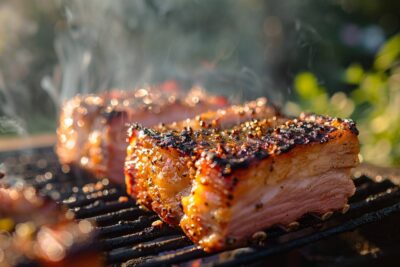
(129, 236)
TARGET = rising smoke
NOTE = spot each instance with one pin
(126, 44)
(235, 48)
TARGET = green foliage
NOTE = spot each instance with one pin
(388, 54)
(313, 97)
(374, 102)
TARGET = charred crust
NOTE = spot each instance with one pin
(251, 141)
(352, 126)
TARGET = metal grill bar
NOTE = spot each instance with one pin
(121, 215)
(100, 207)
(148, 249)
(367, 189)
(146, 234)
(390, 194)
(79, 200)
(123, 227)
(188, 253)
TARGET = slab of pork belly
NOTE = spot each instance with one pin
(224, 210)
(93, 129)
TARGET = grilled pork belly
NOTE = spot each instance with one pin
(92, 128)
(249, 177)
(41, 232)
(159, 175)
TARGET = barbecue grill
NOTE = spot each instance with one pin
(131, 236)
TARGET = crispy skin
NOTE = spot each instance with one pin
(246, 178)
(92, 128)
(158, 175)
(44, 232)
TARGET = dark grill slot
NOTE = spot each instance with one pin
(362, 180)
(130, 236)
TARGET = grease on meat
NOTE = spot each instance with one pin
(222, 185)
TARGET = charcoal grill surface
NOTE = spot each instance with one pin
(129, 235)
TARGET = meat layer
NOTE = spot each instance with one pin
(92, 128)
(159, 174)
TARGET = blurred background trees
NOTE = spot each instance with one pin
(336, 57)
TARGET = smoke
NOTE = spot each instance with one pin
(241, 49)
(10, 122)
(127, 44)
